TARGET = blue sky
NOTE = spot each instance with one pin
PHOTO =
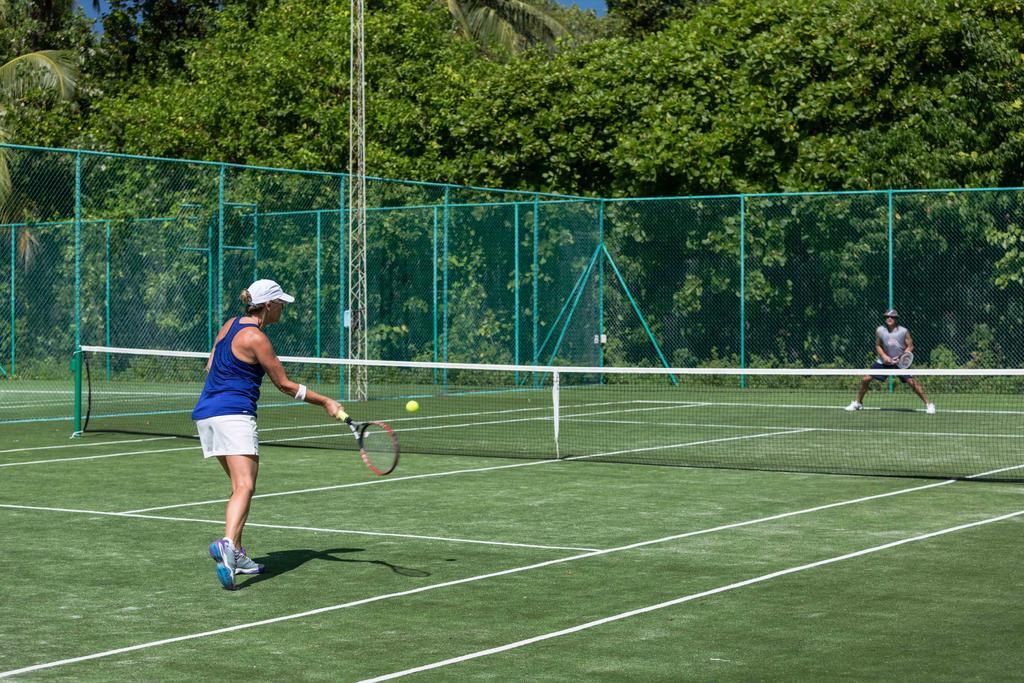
(596, 5)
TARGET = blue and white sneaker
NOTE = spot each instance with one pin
(244, 564)
(223, 553)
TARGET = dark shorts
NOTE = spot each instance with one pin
(881, 378)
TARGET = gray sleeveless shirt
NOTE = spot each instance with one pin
(895, 342)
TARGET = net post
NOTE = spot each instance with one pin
(76, 369)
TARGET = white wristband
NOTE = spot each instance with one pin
(300, 393)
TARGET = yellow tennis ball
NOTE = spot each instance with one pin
(412, 406)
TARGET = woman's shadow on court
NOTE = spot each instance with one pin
(283, 561)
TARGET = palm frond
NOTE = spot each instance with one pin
(531, 22)
(490, 29)
(48, 68)
(456, 10)
(509, 24)
(5, 171)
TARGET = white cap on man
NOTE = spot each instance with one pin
(263, 291)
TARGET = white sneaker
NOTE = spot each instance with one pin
(930, 409)
(857, 405)
(244, 564)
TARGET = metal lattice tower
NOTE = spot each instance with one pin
(357, 376)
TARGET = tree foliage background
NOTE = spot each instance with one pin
(732, 95)
(678, 98)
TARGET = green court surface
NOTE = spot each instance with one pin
(497, 568)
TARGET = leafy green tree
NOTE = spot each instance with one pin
(142, 38)
(642, 17)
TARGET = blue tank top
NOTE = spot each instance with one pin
(232, 386)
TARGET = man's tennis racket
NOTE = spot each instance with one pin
(378, 445)
(905, 360)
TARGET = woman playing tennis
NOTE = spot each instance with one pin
(226, 413)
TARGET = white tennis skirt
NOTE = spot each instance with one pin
(229, 435)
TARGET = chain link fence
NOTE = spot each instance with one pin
(115, 250)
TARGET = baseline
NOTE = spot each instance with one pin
(286, 527)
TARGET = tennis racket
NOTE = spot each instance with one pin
(378, 445)
(905, 360)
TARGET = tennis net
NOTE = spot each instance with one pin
(764, 419)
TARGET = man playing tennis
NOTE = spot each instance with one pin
(225, 414)
(892, 340)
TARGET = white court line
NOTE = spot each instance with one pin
(816, 429)
(690, 443)
(456, 582)
(540, 418)
(340, 434)
(368, 482)
(82, 444)
(352, 532)
(98, 457)
(691, 597)
(36, 404)
(743, 404)
(49, 392)
(530, 463)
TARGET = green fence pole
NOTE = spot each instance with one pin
(106, 302)
(743, 284)
(889, 240)
(444, 294)
(209, 282)
(77, 361)
(578, 286)
(600, 292)
(892, 384)
(78, 250)
(578, 295)
(256, 242)
(536, 278)
(318, 234)
(434, 284)
(342, 288)
(76, 369)
(639, 313)
(220, 248)
(14, 248)
(515, 281)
